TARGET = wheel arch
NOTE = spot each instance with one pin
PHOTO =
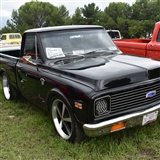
(79, 133)
(56, 92)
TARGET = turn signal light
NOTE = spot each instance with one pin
(118, 126)
(78, 105)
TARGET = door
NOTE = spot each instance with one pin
(28, 79)
(153, 48)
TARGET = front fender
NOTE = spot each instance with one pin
(73, 96)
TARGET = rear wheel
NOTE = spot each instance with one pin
(9, 92)
(64, 120)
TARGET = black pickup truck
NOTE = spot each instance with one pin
(89, 87)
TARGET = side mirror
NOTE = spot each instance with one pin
(28, 60)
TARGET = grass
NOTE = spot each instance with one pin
(26, 133)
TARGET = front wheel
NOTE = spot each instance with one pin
(64, 120)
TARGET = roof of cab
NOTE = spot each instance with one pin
(10, 33)
(69, 27)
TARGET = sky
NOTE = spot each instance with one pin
(7, 6)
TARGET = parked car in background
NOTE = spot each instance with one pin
(11, 38)
(114, 34)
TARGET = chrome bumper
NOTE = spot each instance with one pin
(135, 119)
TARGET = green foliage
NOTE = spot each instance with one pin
(133, 21)
(118, 9)
(91, 13)
(135, 28)
(118, 17)
(77, 18)
(144, 15)
(37, 14)
(88, 15)
(64, 14)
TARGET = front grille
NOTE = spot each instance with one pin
(134, 97)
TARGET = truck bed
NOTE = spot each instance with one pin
(11, 50)
(133, 46)
(137, 40)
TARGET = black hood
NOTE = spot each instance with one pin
(111, 71)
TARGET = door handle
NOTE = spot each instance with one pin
(23, 80)
(42, 81)
(152, 45)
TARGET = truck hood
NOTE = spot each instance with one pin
(110, 71)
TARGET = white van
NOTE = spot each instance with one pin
(114, 34)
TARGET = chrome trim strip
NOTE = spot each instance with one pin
(5, 55)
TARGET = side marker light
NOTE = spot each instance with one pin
(78, 105)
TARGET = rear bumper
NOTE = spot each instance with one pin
(131, 120)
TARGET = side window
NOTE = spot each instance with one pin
(11, 36)
(31, 47)
(17, 36)
(158, 38)
(4, 37)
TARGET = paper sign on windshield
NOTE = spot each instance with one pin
(54, 52)
(78, 52)
(112, 48)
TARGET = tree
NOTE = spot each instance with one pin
(35, 14)
(142, 9)
(118, 9)
(64, 13)
(9, 28)
(117, 17)
(135, 29)
(155, 8)
(132, 21)
(77, 17)
(90, 13)
(144, 14)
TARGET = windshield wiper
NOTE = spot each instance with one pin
(99, 51)
(69, 59)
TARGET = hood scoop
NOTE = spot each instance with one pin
(82, 63)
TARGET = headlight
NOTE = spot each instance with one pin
(102, 106)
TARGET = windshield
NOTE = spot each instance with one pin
(76, 42)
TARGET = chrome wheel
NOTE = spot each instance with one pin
(62, 119)
(6, 87)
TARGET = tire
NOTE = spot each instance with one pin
(64, 121)
(9, 92)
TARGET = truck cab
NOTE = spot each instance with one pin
(114, 34)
